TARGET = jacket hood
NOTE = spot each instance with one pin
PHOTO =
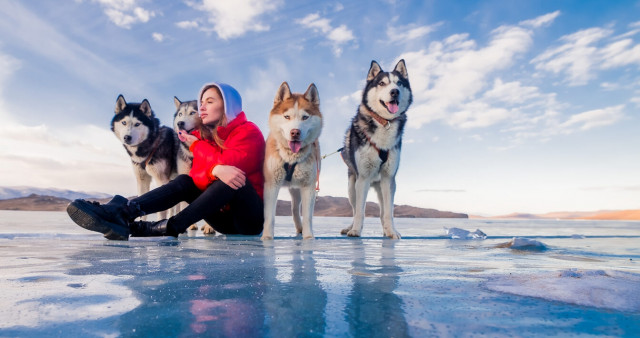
(230, 96)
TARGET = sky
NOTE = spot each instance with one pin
(519, 106)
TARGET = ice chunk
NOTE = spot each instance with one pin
(457, 233)
(519, 243)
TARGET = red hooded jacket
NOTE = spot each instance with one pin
(244, 148)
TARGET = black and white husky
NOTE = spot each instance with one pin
(372, 144)
(152, 148)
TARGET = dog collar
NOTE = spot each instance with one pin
(384, 122)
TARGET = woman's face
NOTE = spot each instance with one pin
(211, 106)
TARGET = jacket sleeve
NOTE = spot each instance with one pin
(244, 149)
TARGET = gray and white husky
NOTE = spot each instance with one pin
(372, 144)
(152, 148)
(188, 119)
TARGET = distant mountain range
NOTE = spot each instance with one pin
(35, 199)
(617, 215)
(16, 192)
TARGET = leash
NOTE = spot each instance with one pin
(335, 152)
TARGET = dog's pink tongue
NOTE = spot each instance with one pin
(392, 107)
(295, 146)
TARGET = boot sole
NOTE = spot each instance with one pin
(90, 221)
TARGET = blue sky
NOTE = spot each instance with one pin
(519, 106)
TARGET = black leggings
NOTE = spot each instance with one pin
(244, 216)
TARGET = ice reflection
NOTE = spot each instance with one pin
(372, 305)
(294, 292)
(186, 292)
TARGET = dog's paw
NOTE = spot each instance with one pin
(266, 238)
(193, 227)
(208, 230)
(353, 233)
(394, 235)
(345, 231)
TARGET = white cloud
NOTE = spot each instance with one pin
(232, 19)
(187, 24)
(124, 13)
(337, 36)
(587, 51)
(511, 92)
(619, 54)
(158, 37)
(593, 118)
(8, 65)
(450, 75)
(478, 114)
(82, 158)
(407, 33)
(541, 21)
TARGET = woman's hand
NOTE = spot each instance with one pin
(230, 175)
(187, 138)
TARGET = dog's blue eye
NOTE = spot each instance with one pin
(305, 117)
(137, 124)
(124, 123)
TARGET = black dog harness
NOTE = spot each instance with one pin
(288, 168)
(382, 153)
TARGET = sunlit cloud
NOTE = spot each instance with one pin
(337, 36)
(232, 19)
(125, 13)
(586, 52)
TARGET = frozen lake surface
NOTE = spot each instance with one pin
(557, 278)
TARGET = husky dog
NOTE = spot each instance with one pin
(372, 144)
(292, 156)
(152, 148)
(187, 118)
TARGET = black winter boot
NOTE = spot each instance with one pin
(152, 229)
(111, 219)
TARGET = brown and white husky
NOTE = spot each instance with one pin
(293, 157)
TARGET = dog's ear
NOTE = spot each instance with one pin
(402, 69)
(283, 93)
(177, 102)
(373, 70)
(121, 104)
(145, 107)
(312, 95)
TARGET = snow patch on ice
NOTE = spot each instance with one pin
(609, 289)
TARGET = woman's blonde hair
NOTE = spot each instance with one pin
(210, 132)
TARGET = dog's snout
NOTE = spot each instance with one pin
(395, 93)
(295, 134)
(181, 124)
(127, 138)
